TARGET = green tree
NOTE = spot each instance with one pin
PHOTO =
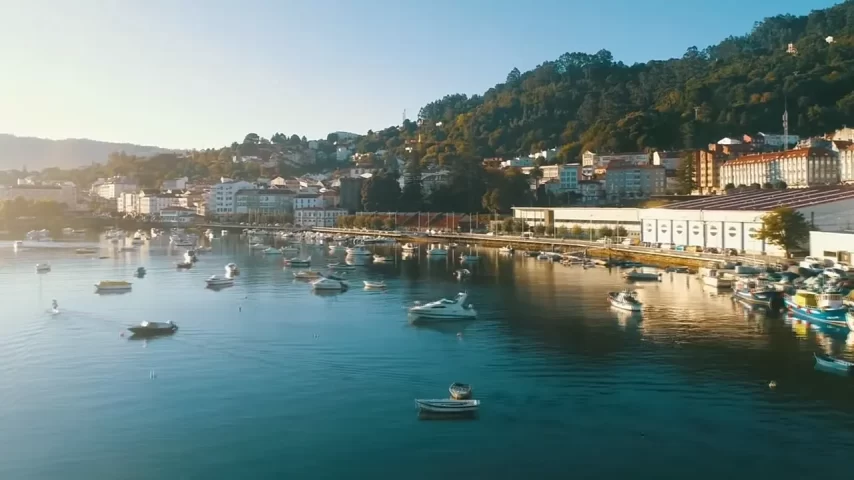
(539, 230)
(562, 232)
(411, 198)
(388, 223)
(606, 232)
(784, 227)
(780, 185)
(767, 186)
(686, 175)
(381, 193)
(621, 232)
(729, 187)
(576, 231)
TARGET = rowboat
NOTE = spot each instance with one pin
(460, 391)
(835, 364)
(374, 285)
(447, 406)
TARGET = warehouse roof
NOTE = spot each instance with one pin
(768, 199)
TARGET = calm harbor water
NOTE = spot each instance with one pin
(267, 380)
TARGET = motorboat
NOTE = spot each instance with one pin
(154, 328)
(86, 251)
(341, 267)
(184, 264)
(190, 256)
(307, 275)
(638, 275)
(325, 283)
(756, 291)
(506, 250)
(822, 308)
(140, 272)
(830, 363)
(462, 273)
(445, 309)
(550, 256)
(272, 251)
(469, 258)
(358, 250)
(335, 248)
(217, 281)
(113, 286)
(460, 391)
(42, 267)
(289, 250)
(437, 252)
(409, 247)
(373, 285)
(716, 279)
(296, 262)
(448, 406)
(379, 259)
(231, 269)
(625, 300)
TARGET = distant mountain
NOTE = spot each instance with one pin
(39, 153)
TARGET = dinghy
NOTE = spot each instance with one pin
(447, 406)
(460, 391)
(374, 285)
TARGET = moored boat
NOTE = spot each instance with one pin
(447, 406)
(85, 251)
(307, 275)
(835, 364)
(756, 291)
(296, 262)
(42, 267)
(716, 279)
(460, 391)
(358, 250)
(625, 300)
(445, 309)
(343, 267)
(325, 283)
(437, 252)
(231, 269)
(637, 275)
(506, 250)
(154, 328)
(140, 272)
(409, 247)
(217, 281)
(821, 308)
(113, 286)
(373, 285)
(184, 264)
(272, 251)
(379, 259)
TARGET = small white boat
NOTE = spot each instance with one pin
(113, 286)
(231, 269)
(307, 275)
(506, 250)
(217, 281)
(447, 406)
(341, 267)
(445, 309)
(636, 274)
(460, 391)
(154, 328)
(835, 364)
(42, 267)
(409, 247)
(296, 262)
(716, 279)
(358, 250)
(374, 285)
(469, 258)
(462, 273)
(289, 250)
(272, 251)
(325, 283)
(379, 259)
(625, 300)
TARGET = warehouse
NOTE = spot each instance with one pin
(833, 246)
(584, 217)
(731, 221)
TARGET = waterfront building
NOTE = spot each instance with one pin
(592, 191)
(833, 246)
(265, 201)
(584, 217)
(222, 196)
(707, 168)
(671, 161)
(61, 193)
(151, 202)
(626, 181)
(174, 184)
(177, 215)
(803, 167)
(317, 216)
(308, 200)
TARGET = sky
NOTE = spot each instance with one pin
(201, 74)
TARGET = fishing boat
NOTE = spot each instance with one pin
(154, 328)
(307, 275)
(506, 250)
(86, 251)
(821, 308)
(638, 275)
(272, 251)
(716, 279)
(231, 269)
(343, 267)
(448, 406)
(373, 285)
(460, 391)
(625, 300)
(113, 286)
(217, 281)
(296, 262)
(445, 309)
(835, 364)
(326, 283)
(379, 259)
(756, 291)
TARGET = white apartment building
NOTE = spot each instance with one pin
(308, 200)
(802, 167)
(222, 201)
(317, 216)
(566, 176)
(114, 187)
(601, 161)
(154, 202)
(625, 181)
(61, 193)
(175, 184)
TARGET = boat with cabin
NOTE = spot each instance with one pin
(152, 329)
(327, 283)
(113, 286)
(826, 308)
(307, 275)
(640, 275)
(625, 300)
(506, 250)
(289, 250)
(445, 309)
(409, 247)
(296, 262)
(756, 291)
(717, 279)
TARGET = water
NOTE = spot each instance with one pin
(266, 380)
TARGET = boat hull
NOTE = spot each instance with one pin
(830, 363)
(757, 298)
(628, 307)
(831, 317)
(151, 332)
(433, 316)
(448, 407)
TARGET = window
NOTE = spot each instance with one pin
(829, 254)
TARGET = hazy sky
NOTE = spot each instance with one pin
(203, 73)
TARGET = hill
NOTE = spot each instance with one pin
(38, 153)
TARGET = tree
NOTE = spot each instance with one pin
(767, 186)
(606, 232)
(784, 227)
(411, 198)
(780, 185)
(621, 232)
(755, 186)
(686, 175)
(514, 75)
(729, 187)
(492, 200)
(389, 223)
(332, 138)
(539, 230)
(381, 193)
(576, 231)
(562, 232)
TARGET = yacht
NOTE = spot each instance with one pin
(42, 267)
(216, 281)
(231, 269)
(154, 328)
(325, 283)
(113, 286)
(445, 309)
(625, 300)
(358, 250)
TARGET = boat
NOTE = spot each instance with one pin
(358, 250)
(373, 285)
(231, 269)
(637, 275)
(154, 328)
(307, 275)
(506, 250)
(445, 309)
(190, 257)
(289, 250)
(625, 300)
(296, 262)
(469, 258)
(437, 252)
(325, 283)
(821, 308)
(379, 259)
(258, 246)
(756, 291)
(462, 273)
(113, 286)
(716, 279)
(460, 391)
(217, 281)
(223, 233)
(341, 266)
(137, 240)
(448, 406)
(835, 364)
(18, 244)
(86, 251)
(140, 272)
(42, 267)
(409, 247)
(272, 251)
(184, 264)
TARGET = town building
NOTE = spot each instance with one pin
(177, 215)
(308, 200)
(845, 134)
(671, 161)
(626, 181)
(846, 161)
(588, 218)
(566, 176)
(264, 201)
(111, 189)
(707, 169)
(592, 191)
(222, 196)
(65, 193)
(330, 197)
(600, 162)
(317, 216)
(174, 184)
(547, 155)
(775, 140)
(151, 202)
(797, 168)
(520, 162)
